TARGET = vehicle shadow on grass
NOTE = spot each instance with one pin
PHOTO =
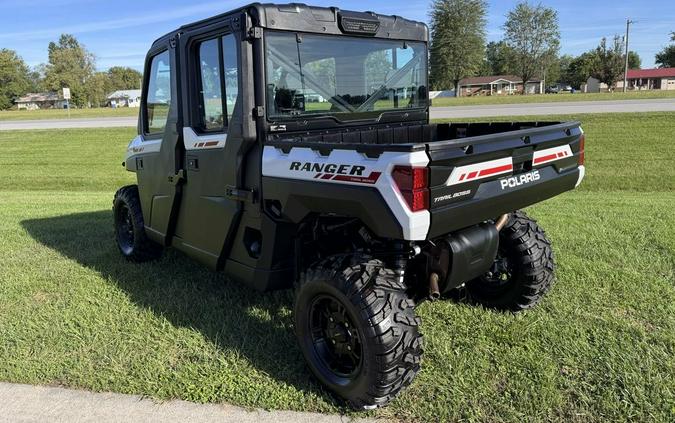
(233, 317)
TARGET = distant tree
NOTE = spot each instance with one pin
(498, 58)
(37, 76)
(532, 33)
(609, 61)
(564, 63)
(666, 57)
(579, 69)
(70, 65)
(634, 60)
(14, 78)
(457, 40)
(123, 78)
(97, 88)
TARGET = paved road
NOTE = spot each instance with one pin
(454, 112)
(25, 403)
(107, 122)
(569, 107)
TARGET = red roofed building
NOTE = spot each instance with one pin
(650, 79)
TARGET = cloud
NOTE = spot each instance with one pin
(128, 22)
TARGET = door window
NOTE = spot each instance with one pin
(159, 94)
(211, 93)
(231, 72)
(218, 87)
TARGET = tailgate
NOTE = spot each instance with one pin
(479, 178)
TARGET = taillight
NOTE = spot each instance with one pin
(582, 149)
(413, 184)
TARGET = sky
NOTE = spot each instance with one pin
(119, 32)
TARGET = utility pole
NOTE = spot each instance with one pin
(625, 73)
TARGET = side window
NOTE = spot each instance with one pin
(211, 92)
(231, 72)
(159, 93)
(218, 86)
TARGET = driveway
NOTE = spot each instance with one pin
(453, 112)
(25, 403)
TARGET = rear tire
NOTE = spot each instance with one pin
(358, 330)
(130, 235)
(523, 271)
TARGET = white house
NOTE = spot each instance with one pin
(124, 98)
(34, 101)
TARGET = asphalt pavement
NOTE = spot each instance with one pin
(101, 122)
(26, 403)
(562, 108)
(451, 112)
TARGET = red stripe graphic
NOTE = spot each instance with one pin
(545, 158)
(498, 169)
(327, 176)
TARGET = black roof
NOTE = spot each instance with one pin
(323, 20)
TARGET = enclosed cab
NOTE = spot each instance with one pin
(289, 145)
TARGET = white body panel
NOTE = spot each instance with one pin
(377, 173)
(193, 141)
(139, 146)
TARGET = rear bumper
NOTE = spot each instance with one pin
(494, 198)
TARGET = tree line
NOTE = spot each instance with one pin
(69, 65)
(530, 48)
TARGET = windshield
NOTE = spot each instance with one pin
(344, 77)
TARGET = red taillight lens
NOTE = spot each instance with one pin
(582, 149)
(413, 183)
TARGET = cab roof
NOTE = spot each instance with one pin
(313, 19)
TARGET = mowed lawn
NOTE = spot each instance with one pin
(63, 114)
(601, 347)
(550, 98)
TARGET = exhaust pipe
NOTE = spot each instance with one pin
(501, 222)
(434, 292)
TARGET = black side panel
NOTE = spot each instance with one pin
(299, 198)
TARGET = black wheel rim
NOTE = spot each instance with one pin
(500, 275)
(335, 339)
(125, 229)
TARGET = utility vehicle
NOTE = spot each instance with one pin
(290, 146)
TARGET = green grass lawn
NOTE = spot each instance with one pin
(550, 98)
(601, 347)
(63, 114)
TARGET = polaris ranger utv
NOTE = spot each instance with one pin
(289, 146)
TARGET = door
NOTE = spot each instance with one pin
(208, 211)
(158, 166)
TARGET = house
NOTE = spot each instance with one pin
(34, 101)
(124, 98)
(498, 85)
(593, 85)
(638, 79)
(650, 79)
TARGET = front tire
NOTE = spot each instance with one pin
(358, 330)
(130, 235)
(523, 271)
